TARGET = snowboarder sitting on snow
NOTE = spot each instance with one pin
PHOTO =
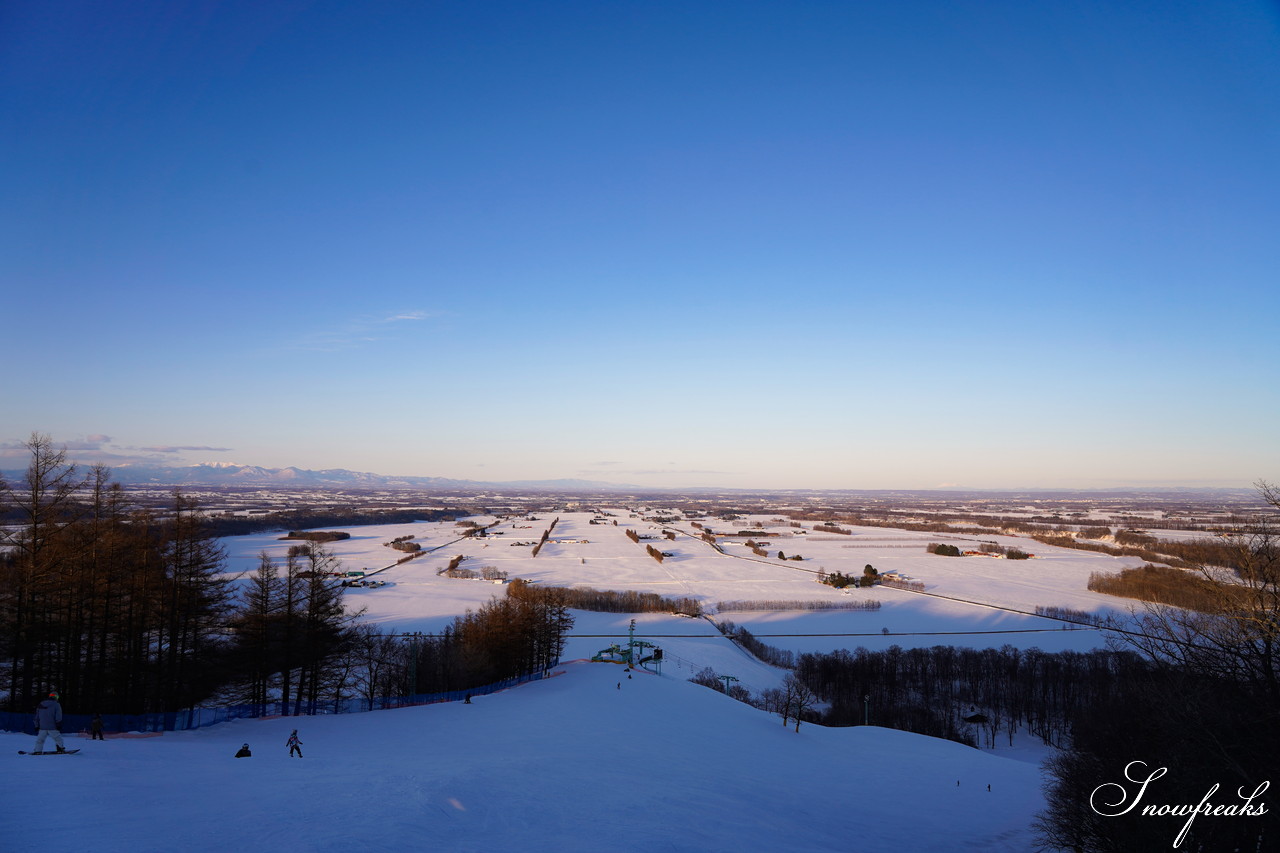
(48, 718)
(244, 752)
(294, 744)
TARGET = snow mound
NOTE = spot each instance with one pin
(590, 760)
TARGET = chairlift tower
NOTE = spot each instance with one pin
(413, 662)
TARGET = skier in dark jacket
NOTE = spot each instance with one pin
(48, 719)
(294, 744)
(95, 728)
(244, 752)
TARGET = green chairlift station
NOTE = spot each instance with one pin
(637, 653)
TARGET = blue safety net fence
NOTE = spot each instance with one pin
(196, 718)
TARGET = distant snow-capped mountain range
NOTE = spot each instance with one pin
(233, 474)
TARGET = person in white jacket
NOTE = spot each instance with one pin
(48, 720)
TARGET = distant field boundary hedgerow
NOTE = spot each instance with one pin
(740, 606)
(222, 525)
(1162, 585)
(603, 600)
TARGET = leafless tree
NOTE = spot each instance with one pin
(799, 698)
(1237, 637)
(45, 504)
(1208, 709)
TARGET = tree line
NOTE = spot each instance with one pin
(1178, 587)
(1209, 713)
(604, 600)
(290, 634)
(319, 535)
(797, 604)
(932, 691)
(546, 534)
(125, 610)
(300, 519)
(118, 608)
(1190, 554)
(506, 638)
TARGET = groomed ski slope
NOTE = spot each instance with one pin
(572, 763)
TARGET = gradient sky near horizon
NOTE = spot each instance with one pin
(771, 245)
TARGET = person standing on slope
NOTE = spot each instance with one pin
(294, 744)
(48, 719)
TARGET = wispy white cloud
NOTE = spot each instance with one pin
(98, 448)
(17, 457)
(407, 315)
(88, 442)
(92, 442)
(357, 331)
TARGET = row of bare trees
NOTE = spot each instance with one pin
(127, 611)
(124, 610)
(1179, 587)
(930, 691)
(793, 701)
(291, 633)
(933, 690)
(1217, 549)
(797, 604)
(116, 608)
(605, 600)
(1209, 714)
(546, 535)
(509, 637)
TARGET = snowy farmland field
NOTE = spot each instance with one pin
(591, 760)
(988, 602)
(966, 594)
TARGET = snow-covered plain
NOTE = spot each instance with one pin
(419, 600)
(592, 760)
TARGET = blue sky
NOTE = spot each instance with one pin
(823, 245)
